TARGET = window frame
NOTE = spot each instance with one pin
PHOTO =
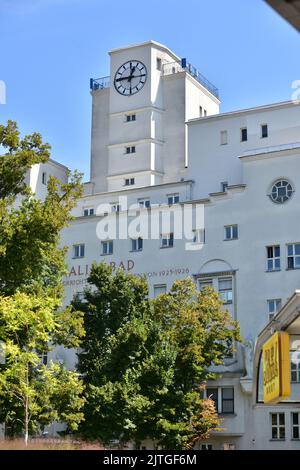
(81, 250)
(142, 201)
(131, 182)
(107, 243)
(293, 256)
(295, 426)
(130, 149)
(278, 426)
(273, 259)
(170, 240)
(157, 286)
(231, 228)
(173, 196)
(219, 403)
(227, 301)
(276, 310)
(225, 140)
(244, 134)
(136, 241)
(262, 127)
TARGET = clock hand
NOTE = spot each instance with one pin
(131, 73)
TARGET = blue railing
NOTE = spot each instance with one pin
(184, 66)
(99, 83)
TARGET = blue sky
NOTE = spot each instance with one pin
(50, 48)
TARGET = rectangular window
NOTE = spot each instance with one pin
(130, 149)
(107, 247)
(274, 306)
(205, 113)
(43, 358)
(206, 447)
(273, 258)
(278, 425)
(228, 400)
(160, 289)
(158, 63)
(244, 134)
(167, 240)
(199, 236)
(224, 186)
(130, 117)
(231, 232)
(78, 251)
(200, 111)
(295, 369)
(225, 289)
(144, 203)
(137, 244)
(115, 207)
(44, 178)
(264, 131)
(129, 181)
(173, 199)
(224, 138)
(293, 252)
(205, 283)
(295, 425)
(88, 211)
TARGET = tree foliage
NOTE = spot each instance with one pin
(144, 362)
(32, 321)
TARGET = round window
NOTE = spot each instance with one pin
(281, 191)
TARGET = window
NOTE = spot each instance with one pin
(200, 111)
(205, 113)
(107, 247)
(115, 207)
(281, 192)
(88, 212)
(129, 181)
(167, 240)
(224, 186)
(206, 447)
(78, 251)
(264, 131)
(273, 258)
(144, 203)
(44, 178)
(225, 289)
(158, 63)
(160, 289)
(199, 236)
(295, 366)
(223, 398)
(205, 283)
(130, 149)
(295, 425)
(278, 425)
(130, 118)
(137, 244)
(228, 400)
(173, 199)
(293, 256)
(224, 138)
(231, 232)
(244, 134)
(274, 306)
(43, 358)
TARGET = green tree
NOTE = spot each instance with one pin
(32, 321)
(30, 256)
(144, 362)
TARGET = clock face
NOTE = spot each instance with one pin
(130, 78)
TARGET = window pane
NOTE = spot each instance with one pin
(281, 418)
(277, 263)
(290, 250)
(274, 419)
(282, 433)
(227, 406)
(212, 393)
(225, 284)
(274, 433)
(291, 263)
(277, 251)
(295, 417)
(227, 393)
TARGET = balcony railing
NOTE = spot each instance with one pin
(184, 66)
(99, 83)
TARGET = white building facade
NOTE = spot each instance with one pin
(160, 145)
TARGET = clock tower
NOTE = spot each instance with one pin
(139, 135)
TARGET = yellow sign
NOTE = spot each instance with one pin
(277, 368)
